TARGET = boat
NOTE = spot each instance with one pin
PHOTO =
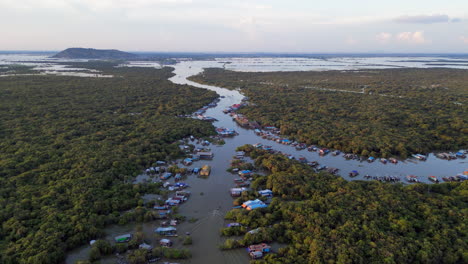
(205, 171)
(323, 151)
(419, 156)
(412, 178)
(393, 160)
(384, 161)
(353, 173)
(433, 179)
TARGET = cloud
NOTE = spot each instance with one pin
(425, 19)
(383, 37)
(464, 39)
(412, 37)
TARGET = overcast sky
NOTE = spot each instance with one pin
(237, 26)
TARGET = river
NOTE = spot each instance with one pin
(210, 198)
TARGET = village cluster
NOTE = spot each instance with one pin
(273, 133)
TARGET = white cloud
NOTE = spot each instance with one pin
(412, 37)
(383, 37)
(464, 39)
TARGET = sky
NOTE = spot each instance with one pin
(292, 26)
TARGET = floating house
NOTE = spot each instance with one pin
(205, 155)
(145, 246)
(225, 132)
(165, 242)
(166, 231)
(166, 176)
(266, 193)
(236, 192)
(256, 254)
(257, 145)
(187, 161)
(263, 247)
(245, 173)
(240, 154)
(254, 204)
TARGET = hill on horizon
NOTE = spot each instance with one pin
(84, 53)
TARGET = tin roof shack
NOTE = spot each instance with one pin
(145, 246)
(166, 176)
(226, 132)
(245, 173)
(123, 238)
(165, 242)
(166, 231)
(163, 214)
(254, 204)
(205, 155)
(236, 192)
(240, 154)
(257, 251)
(256, 254)
(187, 162)
(263, 247)
(266, 193)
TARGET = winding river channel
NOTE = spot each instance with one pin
(210, 198)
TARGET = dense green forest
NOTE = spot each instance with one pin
(322, 218)
(70, 147)
(372, 112)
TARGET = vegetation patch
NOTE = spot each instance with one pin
(71, 146)
(325, 219)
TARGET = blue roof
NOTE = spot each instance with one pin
(257, 205)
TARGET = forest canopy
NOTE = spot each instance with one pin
(70, 147)
(367, 112)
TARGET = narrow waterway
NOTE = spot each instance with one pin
(432, 166)
(210, 198)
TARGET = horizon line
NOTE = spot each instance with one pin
(260, 52)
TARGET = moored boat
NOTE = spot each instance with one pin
(433, 179)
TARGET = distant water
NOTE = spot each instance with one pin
(257, 63)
